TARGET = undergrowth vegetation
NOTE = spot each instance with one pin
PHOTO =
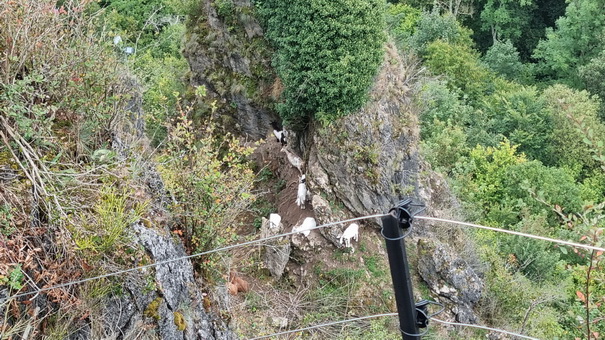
(211, 182)
(93, 101)
(74, 166)
(60, 93)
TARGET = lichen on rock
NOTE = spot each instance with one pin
(450, 277)
(370, 157)
(228, 54)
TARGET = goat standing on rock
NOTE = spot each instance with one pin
(280, 133)
(306, 227)
(301, 195)
(351, 232)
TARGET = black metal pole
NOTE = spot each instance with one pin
(400, 273)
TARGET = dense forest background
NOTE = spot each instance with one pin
(509, 94)
(512, 115)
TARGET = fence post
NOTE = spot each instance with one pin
(400, 272)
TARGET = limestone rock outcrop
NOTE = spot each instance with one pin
(277, 251)
(369, 159)
(229, 56)
(450, 277)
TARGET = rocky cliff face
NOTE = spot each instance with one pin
(174, 309)
(369, 159)
(228, 54)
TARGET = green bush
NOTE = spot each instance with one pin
(460, 64)
(509, 294)
(401, 21)
(537, 260)
(517, 113)
(327, 54)
(481, 178)
(592, 74)
(433, 26)
(525, 182)
(445, 147)
(577, 130)
(211, 182)
(440, 104)
(503, 58)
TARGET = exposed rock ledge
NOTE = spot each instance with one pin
(369, 159)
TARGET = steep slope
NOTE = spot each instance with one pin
(228, 54)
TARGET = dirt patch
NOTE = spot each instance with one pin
(269, 155)
(320, 284)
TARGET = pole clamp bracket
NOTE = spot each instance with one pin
(422, 318)
(405, 213)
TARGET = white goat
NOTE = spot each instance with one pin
(293, 159)
(274, 221)
(301, 195)
(351, 232)
(308, 224)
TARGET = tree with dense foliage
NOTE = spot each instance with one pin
(433, 26)
(503, 58)
(327, 54)
(577, 39)
(593, 75)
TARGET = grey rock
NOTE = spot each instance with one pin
(225, 57)
(450, 277)
(313, 242)
(277, 251)
(126, 315)
(178, 290)
(324, 214)
(370, 156)
(279, 322)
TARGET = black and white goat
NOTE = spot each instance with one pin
(280, 133)
(301, 195)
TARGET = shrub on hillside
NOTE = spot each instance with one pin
(402, 20)
(503, 58)
(518, 114)
(210, 180)
(578, 134)
(460, 64)
(328, 52)
(434, 26)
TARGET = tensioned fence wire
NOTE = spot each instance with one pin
(119, 272)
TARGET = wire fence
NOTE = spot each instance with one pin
(536, 237)
(252, 242)
(327, 324)
(333, 323)
(119, 272)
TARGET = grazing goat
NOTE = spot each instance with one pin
(308, 224)
(351, 232)
(280, 133)
(274, 221)
(301, 195)
(293, 159)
